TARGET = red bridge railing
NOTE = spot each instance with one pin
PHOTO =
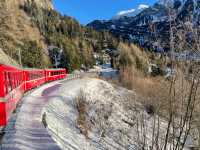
(15, 82)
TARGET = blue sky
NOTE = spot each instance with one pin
(86, 11)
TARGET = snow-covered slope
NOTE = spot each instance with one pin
(113, 118)
(168, 2)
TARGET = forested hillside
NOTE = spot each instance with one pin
(32, 28)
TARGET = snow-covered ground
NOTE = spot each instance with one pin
(114, 118)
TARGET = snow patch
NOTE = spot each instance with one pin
(130, 12)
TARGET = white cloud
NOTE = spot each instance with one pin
(125, 12)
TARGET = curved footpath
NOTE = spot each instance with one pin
(25, 131)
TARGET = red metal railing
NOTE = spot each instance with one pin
(14, 82)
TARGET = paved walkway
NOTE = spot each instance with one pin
(25, 130)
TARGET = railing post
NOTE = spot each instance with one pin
(2, 88)
(3, 117)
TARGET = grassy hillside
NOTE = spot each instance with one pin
(15, 27)
(5, 59)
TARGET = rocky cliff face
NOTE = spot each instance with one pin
(46, 4)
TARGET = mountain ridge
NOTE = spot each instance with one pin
(131, 12)
(151, 27)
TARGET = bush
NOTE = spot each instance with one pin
(32, 55)
(81, 106)
(132, 56)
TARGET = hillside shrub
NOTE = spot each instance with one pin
(32, 55)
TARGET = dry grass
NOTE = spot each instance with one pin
(133, 50)
(5, 59)
(132, 55)
(15, 26)
(164, 97)
(155, 91)
(81, 106)
(150, 91)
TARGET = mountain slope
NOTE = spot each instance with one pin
(34, 27)
(150, 28)
(131, 12)
(16, 26)
(5, 59)
(139, 28)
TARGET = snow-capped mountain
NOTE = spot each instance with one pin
(131, 12)
(167, 2)
(151, 25)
